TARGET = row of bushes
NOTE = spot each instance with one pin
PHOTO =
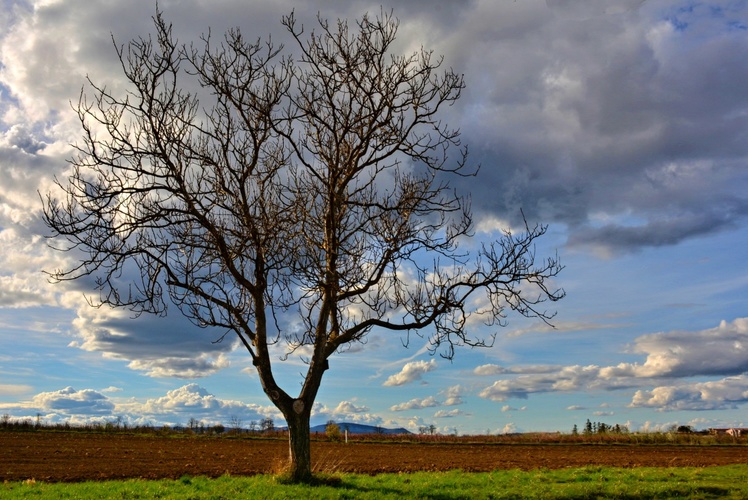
(193, 427)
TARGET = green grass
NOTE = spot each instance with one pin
(587, 482)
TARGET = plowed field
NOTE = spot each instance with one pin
(57, 456)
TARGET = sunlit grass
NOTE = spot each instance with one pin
(586, 482)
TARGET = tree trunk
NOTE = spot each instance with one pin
(300, 470)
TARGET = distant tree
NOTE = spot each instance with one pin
(267, 424)
(332, 431)
(574, 430)
(193, 424)
(588, 427)
(315, 186)
(235, 423)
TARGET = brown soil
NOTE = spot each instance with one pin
(59, 456)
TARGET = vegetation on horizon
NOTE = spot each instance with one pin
(602, 434)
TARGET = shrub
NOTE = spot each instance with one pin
(332, 431)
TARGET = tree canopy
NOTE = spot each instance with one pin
(242, 185)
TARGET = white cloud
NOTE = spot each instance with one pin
(453, 395)
(183, 367)
(717, 351)
(176, 407)
(449, 413)
(680, 354)
(69, 401)
(510, 428)
(489, 369)
(570, 378)
(416, 404)
(346, 411)
(411, 372)
(14, 389)
(193, 401)
(346, 407)
(713, 395)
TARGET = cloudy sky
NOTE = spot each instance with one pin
(623, 124)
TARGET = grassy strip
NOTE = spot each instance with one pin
(587, 482)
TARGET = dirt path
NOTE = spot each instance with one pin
(56, 456)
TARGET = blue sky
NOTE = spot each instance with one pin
(621, 124)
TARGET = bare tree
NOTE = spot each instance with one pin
(235, 422)
(267, 425)
(313, 186)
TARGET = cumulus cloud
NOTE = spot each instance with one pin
(449, 413)
(453, 395)
(722, 394)
(347, 407)
(177, 406)
(70, 401)
(186, 367)
(670, 355)
(416, 404)
(489, 369)
(510, 428)
(570, 378)
(722, 350)
(159, 347)
(411, 372)
(346, 411)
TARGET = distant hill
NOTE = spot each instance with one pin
(360, 429)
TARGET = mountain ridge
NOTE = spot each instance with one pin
(360, 429)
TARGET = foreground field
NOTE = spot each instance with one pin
(74, 456)
(583, 483)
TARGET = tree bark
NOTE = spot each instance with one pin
(300, 470)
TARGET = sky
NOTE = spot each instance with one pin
(621, 124)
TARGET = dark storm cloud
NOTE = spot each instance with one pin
(623, 115)
(619, 238)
